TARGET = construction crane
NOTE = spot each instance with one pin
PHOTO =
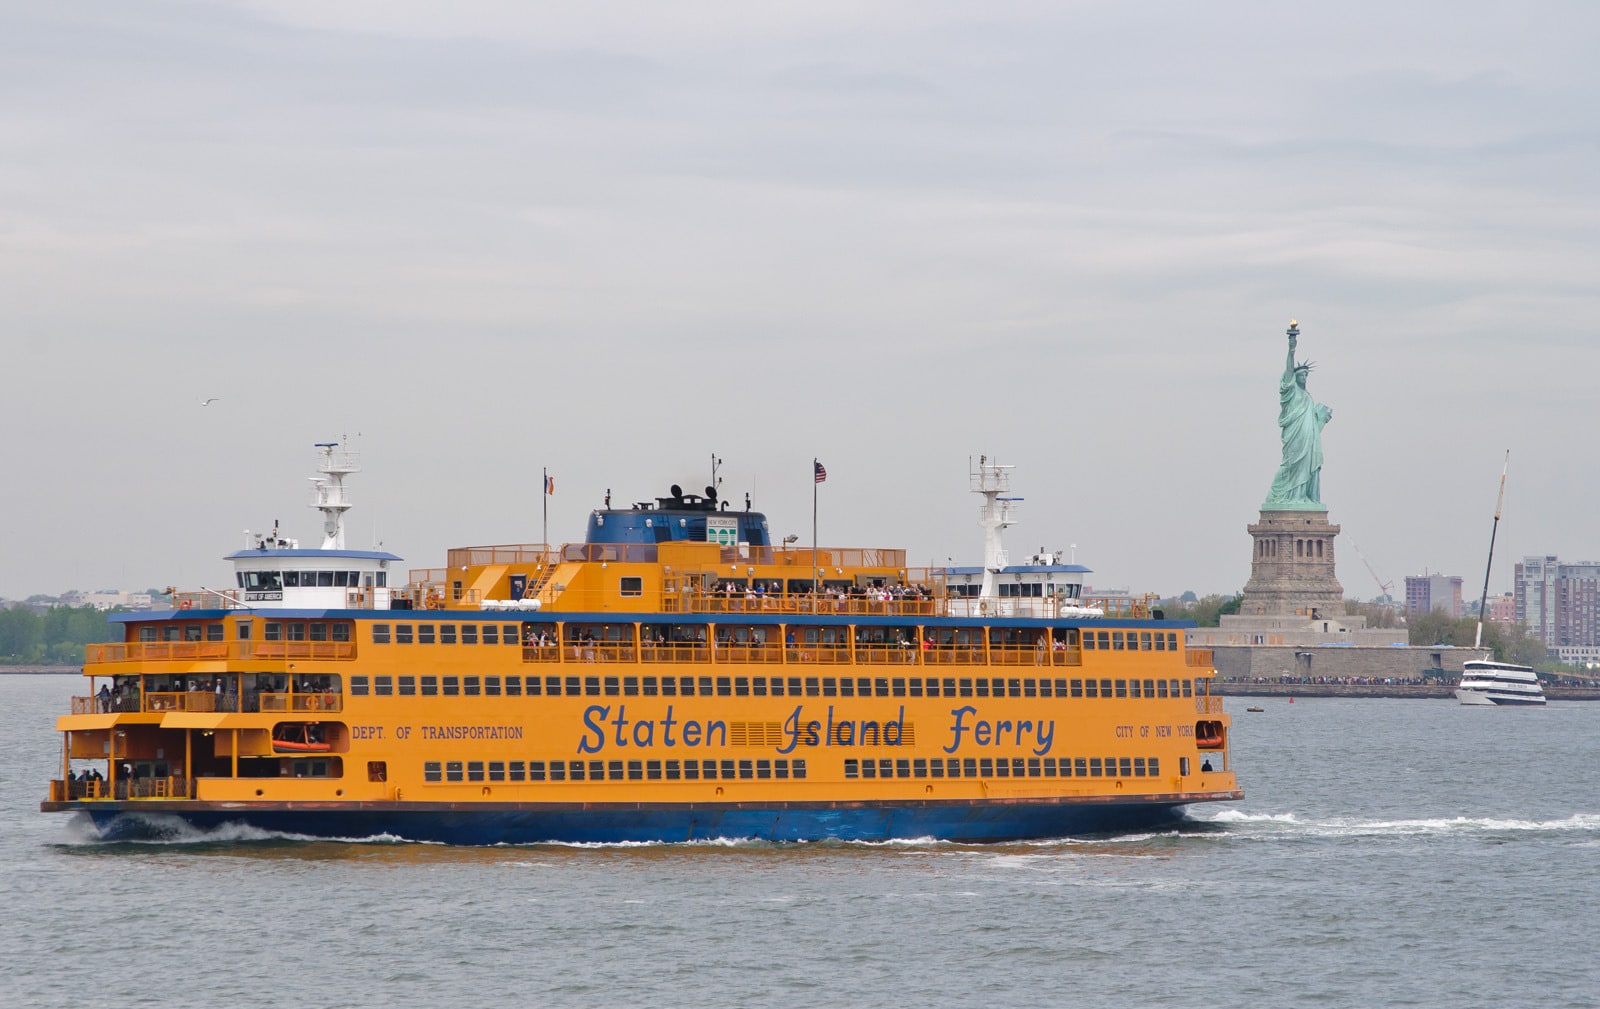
(1383, 586)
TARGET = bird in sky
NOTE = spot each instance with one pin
(209, 400)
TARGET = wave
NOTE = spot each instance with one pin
(164, 829)
(1237, 824)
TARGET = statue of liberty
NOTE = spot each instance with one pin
(1298, 485)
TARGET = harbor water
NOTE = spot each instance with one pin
(1387, 853)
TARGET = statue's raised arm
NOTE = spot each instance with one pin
(1298, 484)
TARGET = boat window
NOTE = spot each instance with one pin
(469, 634)
(295, 630)
(852, 768)
(474, 770)
(1122, 687)
(383, 686)
(631, 586)
(425, 634)
(508, 635)
(318, 631)
(402, 634)
(408, 686)
(243, 630)
(447, 634)
(452, 686)
(1094, 767)
(358, 686)
(1135, 692)
(262, 581)
(430, 686)
(469, 684)
(291, 579)
(432, 770)
(491, 634)
(1125, 767)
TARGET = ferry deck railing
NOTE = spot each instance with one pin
(217, 651)
(802, 652)
(167, 787)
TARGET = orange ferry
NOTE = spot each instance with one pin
(675, 676)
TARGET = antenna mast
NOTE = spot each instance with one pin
(1483, 601)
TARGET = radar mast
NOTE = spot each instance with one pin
(328, 491)
(992, 480)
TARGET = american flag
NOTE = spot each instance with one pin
(819, 471)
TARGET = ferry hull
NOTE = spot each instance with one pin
(1503, 700)
(510, 823)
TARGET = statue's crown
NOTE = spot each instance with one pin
(1304, 366)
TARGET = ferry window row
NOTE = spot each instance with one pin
(272, 581)
(271, 630)
(583, 638)
(1130, 641)
(613, 770)
(181, 632)
(306, 630)
(1002, 767)
(445, 634)
(763, 686)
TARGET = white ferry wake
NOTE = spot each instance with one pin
(164, 829)
(1264, 826)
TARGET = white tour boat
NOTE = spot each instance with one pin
(1486, 682)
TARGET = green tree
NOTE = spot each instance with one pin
(21, 636)
(67, 629)
(1507, 644)
(1205, 611)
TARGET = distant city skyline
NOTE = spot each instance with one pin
(488, 240)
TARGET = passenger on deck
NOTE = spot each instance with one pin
(104, 697)
(1206, 764)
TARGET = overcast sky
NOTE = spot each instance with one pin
(492, 236)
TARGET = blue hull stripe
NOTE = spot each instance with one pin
(533, 823)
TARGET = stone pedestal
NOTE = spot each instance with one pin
(1291, 572)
